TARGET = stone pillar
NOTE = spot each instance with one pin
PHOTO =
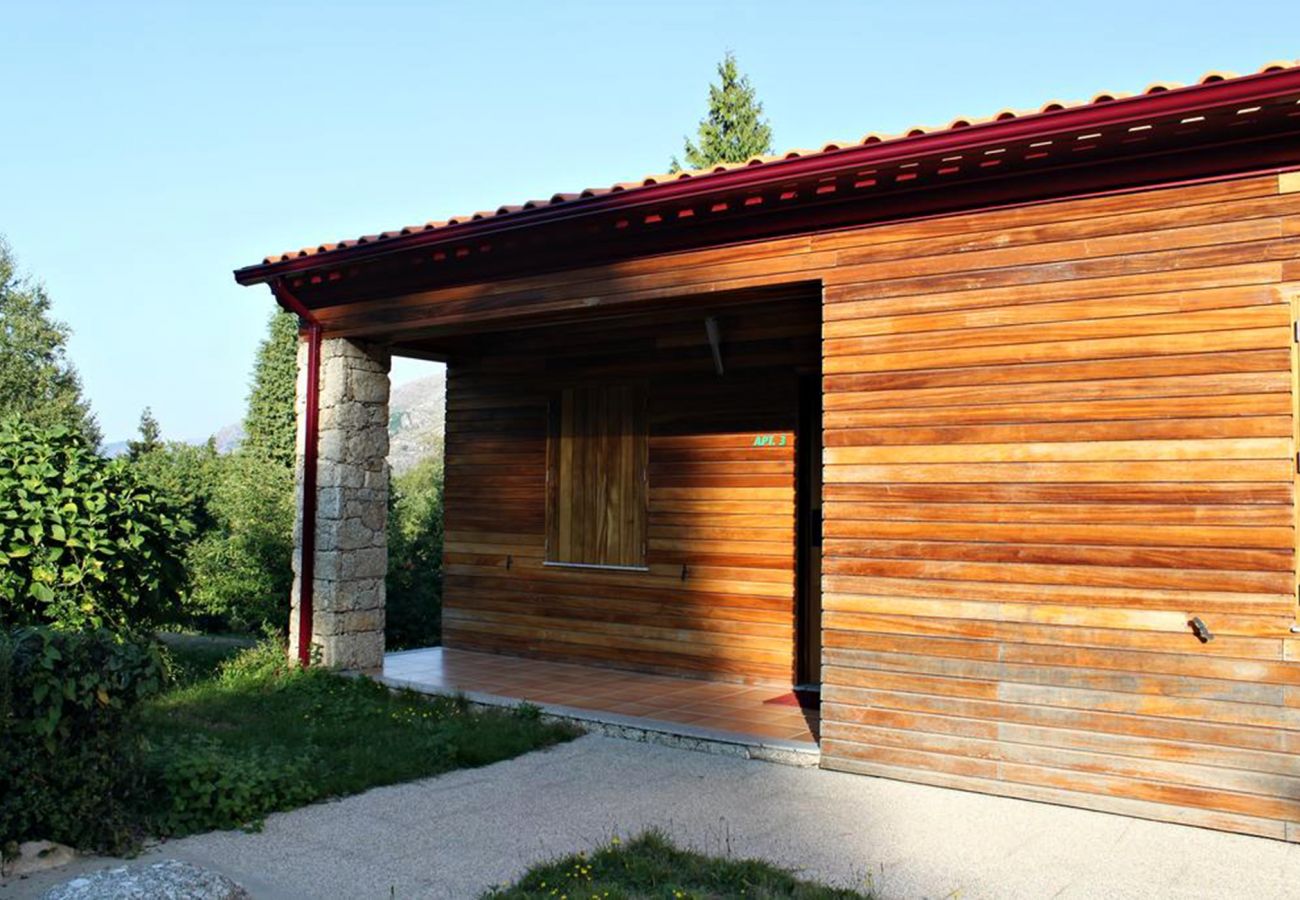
(351, 505)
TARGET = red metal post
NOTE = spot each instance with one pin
(311, 429)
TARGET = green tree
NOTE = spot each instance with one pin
(413, 610)
(37, 381)
(269, 426)
(734, 129)
(150, 437)
(240, 568)
(186, 473)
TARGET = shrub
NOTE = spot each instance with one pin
(68, 752)
(199, 784)
(190, 475)
(413, 610)
(240, 569)
(263, 663)
(237, 562)
(84, 541)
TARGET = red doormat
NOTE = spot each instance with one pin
(799, 698)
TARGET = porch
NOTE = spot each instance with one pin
(759, 720)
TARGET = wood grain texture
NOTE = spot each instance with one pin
(1050, 444)
(1054, 434)
(596, 476)
(717, 597)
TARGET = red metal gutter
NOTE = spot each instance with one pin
(307, 572)
(1244, 91)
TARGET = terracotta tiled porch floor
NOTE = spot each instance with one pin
(693, 708)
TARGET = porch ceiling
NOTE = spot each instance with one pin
(610, 322)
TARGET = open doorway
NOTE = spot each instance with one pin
(416, 444)
(808, 535)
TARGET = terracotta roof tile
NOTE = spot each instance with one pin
(869, 138)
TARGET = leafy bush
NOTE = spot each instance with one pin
(84, 541)
(237, 562)
(68, 752)
(199, 784)
(264, 664)
(240, 568)
(413, 613)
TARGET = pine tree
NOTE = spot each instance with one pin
(150, 436)
(38, 383)
(734, 130)
(269, 427)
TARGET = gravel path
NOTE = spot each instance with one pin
(455, 835)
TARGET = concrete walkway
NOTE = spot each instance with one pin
(454, 836)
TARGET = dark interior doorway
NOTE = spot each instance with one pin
(808, 630)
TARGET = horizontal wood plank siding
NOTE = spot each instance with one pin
(1051, 443)
(1053, 435)
(718, 599)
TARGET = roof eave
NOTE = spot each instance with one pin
(1245, 91)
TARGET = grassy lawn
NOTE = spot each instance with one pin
(196, 657)
(649, 867)
(250, 735)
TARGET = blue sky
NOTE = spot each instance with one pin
(147, 149)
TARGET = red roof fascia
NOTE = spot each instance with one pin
(1244, 91)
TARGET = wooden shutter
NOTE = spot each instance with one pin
(597, 494)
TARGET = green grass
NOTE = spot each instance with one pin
(197, 657)
(649, 867)
(259, 735)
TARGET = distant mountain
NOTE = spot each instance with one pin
(229, 437)
(416, 414)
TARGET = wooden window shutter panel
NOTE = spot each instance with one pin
(597, 491)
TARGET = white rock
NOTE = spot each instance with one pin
(169, 878)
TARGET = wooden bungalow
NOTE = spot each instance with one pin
(987, 429)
